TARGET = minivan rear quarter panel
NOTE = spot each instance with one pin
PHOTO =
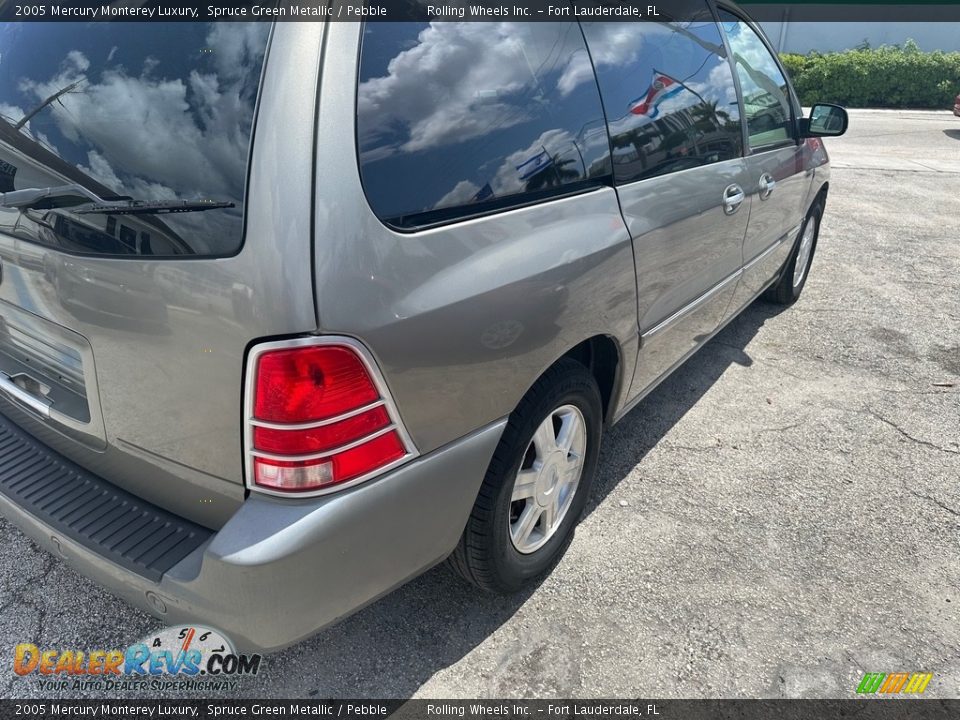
(463, 317)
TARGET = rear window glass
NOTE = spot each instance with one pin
(459, 119)
(127, 138)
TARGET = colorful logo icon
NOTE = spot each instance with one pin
(894, 683)
(191, 651)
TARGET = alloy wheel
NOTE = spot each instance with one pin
(803, 254)
(548, 478)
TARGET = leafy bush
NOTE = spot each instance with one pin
(886, 77)
(794, 63)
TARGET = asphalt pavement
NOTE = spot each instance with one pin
(778, 518)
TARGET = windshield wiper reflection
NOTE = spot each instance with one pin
(158, 207)
(74, 196)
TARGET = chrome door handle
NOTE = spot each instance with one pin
(767, 184)
(733, 198)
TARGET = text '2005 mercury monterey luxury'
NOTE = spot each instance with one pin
(290, 314)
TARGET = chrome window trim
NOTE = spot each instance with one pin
(487, 217)
(253, 356)
(460, 219)
(691, 306)
(773, 147)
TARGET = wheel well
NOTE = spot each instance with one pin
(601, 356)
(822, 195)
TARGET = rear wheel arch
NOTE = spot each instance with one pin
(498, 550)
(821, 196)
(602, 356)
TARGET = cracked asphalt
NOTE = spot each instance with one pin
(779, 517)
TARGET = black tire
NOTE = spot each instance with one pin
(486, 555)
(784, 292)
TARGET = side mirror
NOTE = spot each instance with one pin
(825, 121)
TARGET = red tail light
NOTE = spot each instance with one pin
(311, 383)
(318, 416)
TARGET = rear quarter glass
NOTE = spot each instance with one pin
(161, 113)
(519, 120)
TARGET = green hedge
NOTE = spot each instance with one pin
(884, 77)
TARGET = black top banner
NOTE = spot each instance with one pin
(436, 10)
(883, 709)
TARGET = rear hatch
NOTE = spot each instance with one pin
(127, 293)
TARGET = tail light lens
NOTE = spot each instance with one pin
(311, 383)
(321, 438)
(318, 416)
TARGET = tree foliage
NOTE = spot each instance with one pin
(889, 76)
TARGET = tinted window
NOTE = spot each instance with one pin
(153, 112)
(456, 119)
(766, 95)
(668, 90)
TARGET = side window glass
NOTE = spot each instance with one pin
(668, 90)
(766, 94)
(457, 119)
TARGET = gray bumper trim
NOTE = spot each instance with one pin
(82, 507)
(280, 570)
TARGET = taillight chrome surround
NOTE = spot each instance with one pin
(385, 401)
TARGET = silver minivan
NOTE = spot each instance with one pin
(291, 313)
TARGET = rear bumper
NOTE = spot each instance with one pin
(281, 569)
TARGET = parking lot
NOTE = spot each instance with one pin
(779, 517)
